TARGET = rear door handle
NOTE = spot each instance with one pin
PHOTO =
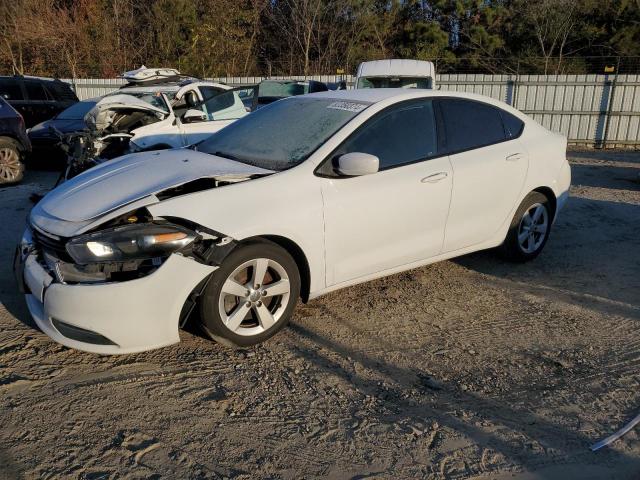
(515, 157)
(436, 177)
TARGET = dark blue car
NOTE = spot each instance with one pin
(45, 136)
(14, 144)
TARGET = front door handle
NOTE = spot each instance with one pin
(515, 157)
(433, 178)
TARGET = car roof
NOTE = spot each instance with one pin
(170, 86)
(31, 77)
(376, 95)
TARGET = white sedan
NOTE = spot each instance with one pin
(305, 196)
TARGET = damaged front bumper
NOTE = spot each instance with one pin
(110, 317)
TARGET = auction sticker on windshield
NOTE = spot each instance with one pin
(348, 106)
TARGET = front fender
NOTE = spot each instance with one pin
(281, 205)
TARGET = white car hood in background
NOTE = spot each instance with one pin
(101, 116)
(119, 182)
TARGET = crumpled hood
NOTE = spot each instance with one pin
(119, 182)
(102, 115)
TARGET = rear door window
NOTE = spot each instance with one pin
(221, 104)
(210, 92)
(10, 89)
(469, 124)
(35, 91)
(403, 135)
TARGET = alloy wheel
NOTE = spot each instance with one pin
(254, 296)
(533, 228)
(10, 165)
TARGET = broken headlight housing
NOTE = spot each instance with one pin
(129, 242)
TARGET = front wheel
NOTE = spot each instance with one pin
(251, 296)
(529, 229)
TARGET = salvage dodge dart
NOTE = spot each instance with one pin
(305, 196)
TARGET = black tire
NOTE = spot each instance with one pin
(512, 248)
(11, 166)
(211, 300)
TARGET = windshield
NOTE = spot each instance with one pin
(394, 82)
(282, 134)
(154, 98)
(77, 111)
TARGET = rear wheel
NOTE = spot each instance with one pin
(11, 168)
(529, 229)
(251, 296)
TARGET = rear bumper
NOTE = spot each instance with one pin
(113, 318)
(562, 184)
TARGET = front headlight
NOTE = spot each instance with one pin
(129, 242)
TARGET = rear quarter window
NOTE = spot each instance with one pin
(512, 124)
(62, 91)
(35, 91)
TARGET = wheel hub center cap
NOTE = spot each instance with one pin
(254, 295)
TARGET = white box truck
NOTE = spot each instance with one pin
(396, 73)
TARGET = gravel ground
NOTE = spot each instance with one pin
(472, 368)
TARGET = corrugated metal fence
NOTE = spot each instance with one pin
(591, 110)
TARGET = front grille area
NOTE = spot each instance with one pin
(51, 245)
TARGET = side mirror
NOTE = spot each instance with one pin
(356, 164)
(192, 115)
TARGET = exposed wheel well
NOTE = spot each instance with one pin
(15, 141)
(547, 192)
(300, 258)
(290, 246)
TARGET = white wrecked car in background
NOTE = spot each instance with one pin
(158, 109)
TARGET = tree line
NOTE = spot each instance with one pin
(207, 38)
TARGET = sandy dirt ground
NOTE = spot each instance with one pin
(472, 368)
